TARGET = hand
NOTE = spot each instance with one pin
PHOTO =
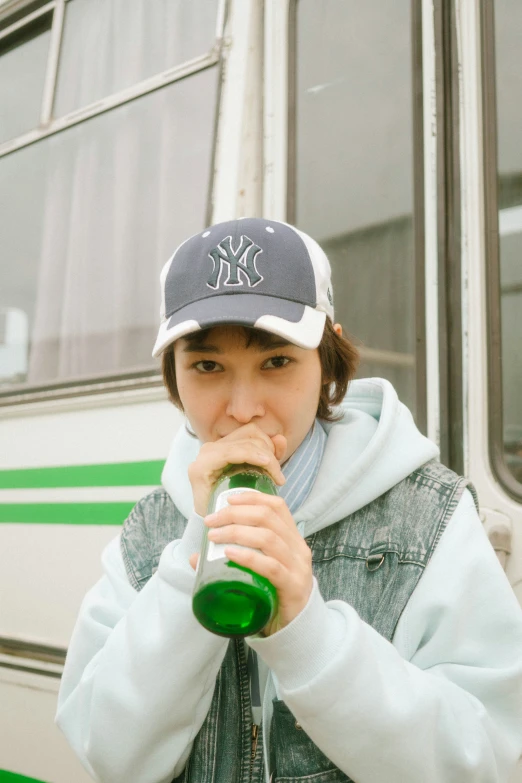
(246, 444)
(264, 522)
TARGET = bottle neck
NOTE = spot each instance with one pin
(245, 467)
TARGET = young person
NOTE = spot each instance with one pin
(396, 650)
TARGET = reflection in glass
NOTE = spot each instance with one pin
(109, 45)
(508, 26)
(89, 217)
(354, 170)
(23, 61)
(14, 344)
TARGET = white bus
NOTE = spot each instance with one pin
(389, 131)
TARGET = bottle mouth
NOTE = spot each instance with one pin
(243, 467)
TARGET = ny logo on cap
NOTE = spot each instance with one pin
(243, 260)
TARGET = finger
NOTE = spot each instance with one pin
(293, 585)
(193, 560)
(262, 539)
(257, 499)
(214, 456)
(260, 516)
(247, 508)
(277, 443)
(212, 450)
(251, 432)
(252, 453)
(269, 567)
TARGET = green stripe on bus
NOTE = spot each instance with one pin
(14, 777)
(66, 513)
(121, 474)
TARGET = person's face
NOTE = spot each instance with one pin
(223, 385)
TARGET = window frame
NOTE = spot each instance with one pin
(15, 30)
(497, 459)
(21, 394)
(449, 238)
(419, 216)
(49, 125)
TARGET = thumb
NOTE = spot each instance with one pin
(193, 560)
(280, 446)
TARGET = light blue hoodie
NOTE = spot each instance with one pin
(140, 673)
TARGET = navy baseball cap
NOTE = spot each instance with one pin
(251, 272)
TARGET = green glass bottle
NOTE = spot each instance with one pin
(229, 599)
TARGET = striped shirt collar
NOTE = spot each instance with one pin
(300, 472)
(301, 469)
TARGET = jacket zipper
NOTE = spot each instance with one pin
(255, 732)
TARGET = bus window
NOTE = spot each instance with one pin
(508, 41)
(103, 52)
(23, 58)
(353, 177)
(91, 213)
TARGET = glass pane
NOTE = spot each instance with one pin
(88, 217)
(508, 24)
(23, 61)
(354, 170)
(109, 45)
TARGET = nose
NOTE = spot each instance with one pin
(244, 403)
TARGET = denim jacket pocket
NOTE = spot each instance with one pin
(295, 758)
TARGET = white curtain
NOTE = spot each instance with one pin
(123, 189)
(112, 44)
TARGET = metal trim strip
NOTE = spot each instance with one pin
(52, 63)
(21, 395)
(449, 237)
(45, 9)
(492, 253)
(21, 648)
(30, 670)
(417, 81)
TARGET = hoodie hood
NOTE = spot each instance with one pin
(370, 449)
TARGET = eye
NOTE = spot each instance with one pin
(206, 366)
(275, 362)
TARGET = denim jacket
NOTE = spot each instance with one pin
(372, 559)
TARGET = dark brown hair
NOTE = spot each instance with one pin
(338, 356)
